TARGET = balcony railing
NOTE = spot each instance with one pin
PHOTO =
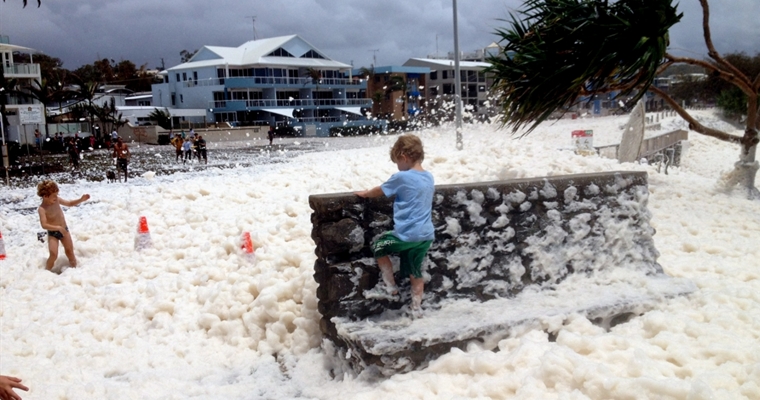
(244, 104)
(21, 69)
(244, 81)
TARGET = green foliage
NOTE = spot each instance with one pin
(563, 49)
(185, 55)
(161, 117)
(733, 102)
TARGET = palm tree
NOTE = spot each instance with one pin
(86, 93)
(162, 118)
(377, 100)
(562, 50)
(367, 73)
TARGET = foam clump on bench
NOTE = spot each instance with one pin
(508, 256)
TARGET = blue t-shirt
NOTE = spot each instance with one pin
(413, 205)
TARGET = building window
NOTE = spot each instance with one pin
(195, 76)
(177, 76)
(471, 92)
(445, 74)
(448, 88)
(311, 54)
(434, 75)
(184, 76)
(174, 99)
(280, 53)
(181, 99)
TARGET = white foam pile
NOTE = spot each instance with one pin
(192, 317)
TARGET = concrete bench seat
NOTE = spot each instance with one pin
(508, 256)
(394, 342)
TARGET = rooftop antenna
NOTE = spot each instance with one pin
(374, 56)
(253, 22)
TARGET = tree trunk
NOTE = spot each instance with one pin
(744, 172)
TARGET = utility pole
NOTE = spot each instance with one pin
(457, 81)
(374, 57)
(253, 22)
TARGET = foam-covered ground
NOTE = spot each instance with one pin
(193, 318)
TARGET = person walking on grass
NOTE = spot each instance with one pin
(53, 220)
(413, 231)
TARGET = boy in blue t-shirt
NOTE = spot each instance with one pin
(413, 226)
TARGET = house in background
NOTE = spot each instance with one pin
(24, 113)
(281, 81)
(396, 91)
(441, 86)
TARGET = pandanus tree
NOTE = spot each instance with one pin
(556, 52)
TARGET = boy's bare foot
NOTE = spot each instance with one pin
(382, 291)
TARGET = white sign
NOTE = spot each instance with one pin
(583, 139)
(30, 115)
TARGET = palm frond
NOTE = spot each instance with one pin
(556, 51)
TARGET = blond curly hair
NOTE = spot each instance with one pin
(46, 188)
(410, 146)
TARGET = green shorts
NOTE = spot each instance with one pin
(411, 253)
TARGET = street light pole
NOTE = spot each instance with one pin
(457, 81)
(6, 161)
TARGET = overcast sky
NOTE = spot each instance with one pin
(145, 31)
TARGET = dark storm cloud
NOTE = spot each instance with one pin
(81, 31)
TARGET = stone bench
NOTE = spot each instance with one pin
(508, 256)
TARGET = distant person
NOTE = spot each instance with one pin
(201, 144)
(37, 138)
(270, 134)
(187, 148)
(122, 155)
(53, 220)
(7, 384)
(177, 142)
(73, 152)
(413, 231)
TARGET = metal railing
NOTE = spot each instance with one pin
(650, 146)
(21, 69)
(272, 80)
(290, 103)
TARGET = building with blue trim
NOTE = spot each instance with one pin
(281, 81)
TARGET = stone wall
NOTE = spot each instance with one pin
(493, 239)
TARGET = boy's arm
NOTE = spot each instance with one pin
(374, 192)
(73, 203)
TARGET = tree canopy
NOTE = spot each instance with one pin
(564, 49)
(558, 50)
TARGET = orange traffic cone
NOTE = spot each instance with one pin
(247, 245)
(2, 247)
(142, 241)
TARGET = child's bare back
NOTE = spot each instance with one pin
(53, 221)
